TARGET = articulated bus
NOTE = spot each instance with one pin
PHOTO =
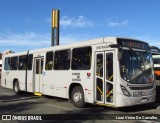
(108, 71)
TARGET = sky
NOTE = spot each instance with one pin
(26, 24)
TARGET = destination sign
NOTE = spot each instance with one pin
(133, 44)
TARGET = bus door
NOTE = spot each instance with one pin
(38, 74)
(104, 77)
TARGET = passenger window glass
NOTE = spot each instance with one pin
(30, 60)
(99, 71)
(109, 66)
(14, 63)
(42, 61)
(22, 62)
(62, 60)
(7, 64)
(81, 58)
(49, 61)
(37, 66)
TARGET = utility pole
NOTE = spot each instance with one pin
(55, 27)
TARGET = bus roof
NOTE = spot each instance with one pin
(109, 40)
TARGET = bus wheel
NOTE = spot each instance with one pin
(77, 97)
(16, 88)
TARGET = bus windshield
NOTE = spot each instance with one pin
(136, 67)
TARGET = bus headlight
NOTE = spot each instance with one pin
(125, 91)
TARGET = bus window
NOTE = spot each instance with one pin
(37, 66)
(42, 61)
(7, 63)
(109, 66)
(81, 58)
(62, 60)
(49, 61)
(14, 63)
(22, 62)
(30, 60)
(99, 71)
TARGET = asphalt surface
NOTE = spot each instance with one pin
(61, 110)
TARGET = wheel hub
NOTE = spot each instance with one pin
(77, 97)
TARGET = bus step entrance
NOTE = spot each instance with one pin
(37, 94)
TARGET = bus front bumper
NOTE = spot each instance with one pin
(123, 100)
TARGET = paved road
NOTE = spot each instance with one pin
(27, 103)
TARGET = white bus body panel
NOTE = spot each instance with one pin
(57, 82)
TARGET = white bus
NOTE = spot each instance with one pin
(108, 71)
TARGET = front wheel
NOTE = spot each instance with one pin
(77, 97)
(16, 88)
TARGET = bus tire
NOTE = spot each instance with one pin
(16, 87)
(77, 97)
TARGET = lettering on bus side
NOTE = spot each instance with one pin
(102, 47)
(76, 77)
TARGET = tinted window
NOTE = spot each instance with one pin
(62, 60)
(81, 58)
(22, 62)
(7, 63)
(49, 61)
(99, 70)
(30, 59)
(14, 63)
